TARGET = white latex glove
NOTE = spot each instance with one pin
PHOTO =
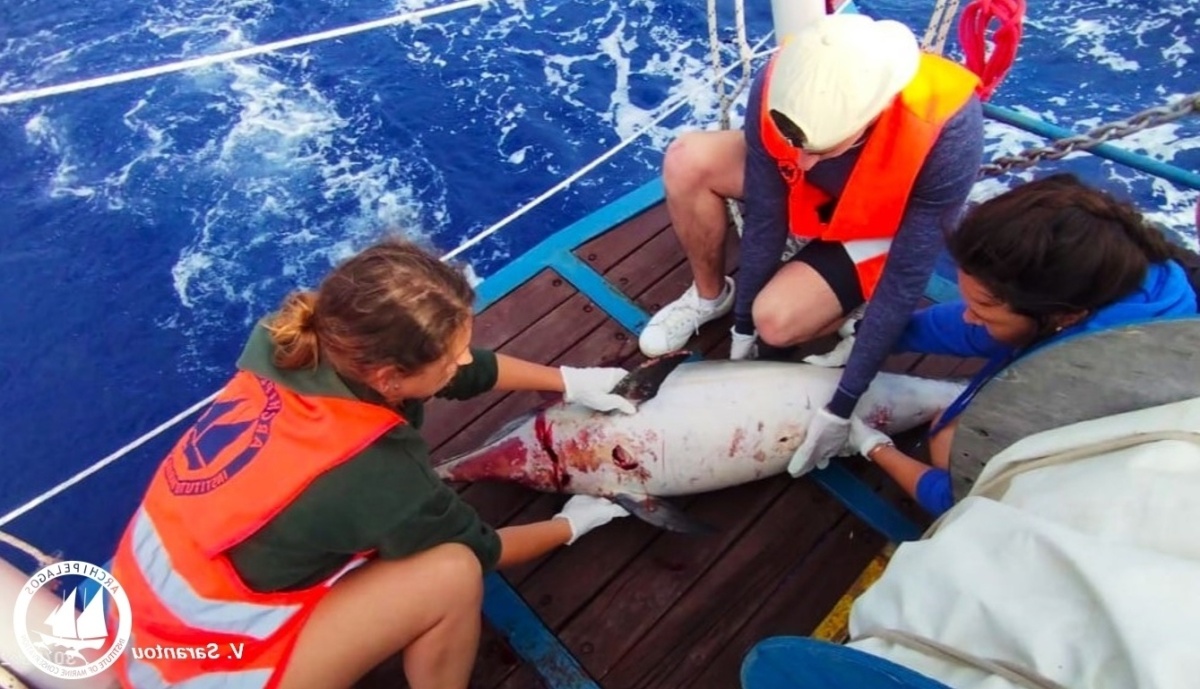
(586, 512)
(864, 438)
(742, 346)
(592, 387)
(826, 437)
(840, 354)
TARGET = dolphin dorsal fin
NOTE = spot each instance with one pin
(642, 383)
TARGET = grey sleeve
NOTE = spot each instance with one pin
(939, 194)
(764, 224)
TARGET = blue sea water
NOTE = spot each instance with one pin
(145, 225)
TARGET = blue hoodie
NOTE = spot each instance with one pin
(940, 329)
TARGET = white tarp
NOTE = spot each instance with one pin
(1076, 558)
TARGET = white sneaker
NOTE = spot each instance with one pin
(674, 324)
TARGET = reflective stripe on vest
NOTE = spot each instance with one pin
(871, 205)
(223, 616)
(250, 454)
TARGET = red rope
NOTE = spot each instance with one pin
(972, 27)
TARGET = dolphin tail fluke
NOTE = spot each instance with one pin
(643, 382)
(662, 514)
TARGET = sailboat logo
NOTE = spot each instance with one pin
(54, 633)
(88, 630)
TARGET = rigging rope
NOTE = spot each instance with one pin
(725, 98)
(32, 551)
(206, 60)
(934, 39)
(668, 109)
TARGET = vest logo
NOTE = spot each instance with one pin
(224, 440)
(59, 638)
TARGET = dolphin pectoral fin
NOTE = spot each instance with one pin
(642, 383)
(661, 513)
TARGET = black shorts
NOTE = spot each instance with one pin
(832, 263)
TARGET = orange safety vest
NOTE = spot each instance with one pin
(251, 453)
(872, 203)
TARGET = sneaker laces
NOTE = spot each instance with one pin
(687, 306)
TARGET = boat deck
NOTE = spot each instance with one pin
(636, 606)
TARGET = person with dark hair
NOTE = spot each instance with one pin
(1044, 261)
(299, 523)
(857, 146)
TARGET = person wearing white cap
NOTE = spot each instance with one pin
(862, 148)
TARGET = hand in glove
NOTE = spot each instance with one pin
(826, 437)
(840, 354)
(864, 438)
(586, 512)
(592, 387)
(742, 347)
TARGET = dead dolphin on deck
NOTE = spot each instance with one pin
(700, 426)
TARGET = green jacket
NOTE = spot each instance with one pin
(386, 497)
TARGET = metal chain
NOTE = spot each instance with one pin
(1151, 117)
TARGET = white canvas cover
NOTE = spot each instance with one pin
(1075, 559)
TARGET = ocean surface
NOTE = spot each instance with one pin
(145, 225)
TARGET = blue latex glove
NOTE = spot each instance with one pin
(827, 436)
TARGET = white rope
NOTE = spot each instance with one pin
(163, 427)
(725, 98)
(32, 504)
(32, 551)
(207, 60)
(678, 103)
(936, 33)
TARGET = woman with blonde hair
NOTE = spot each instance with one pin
(298, 531)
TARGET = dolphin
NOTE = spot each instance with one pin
(700, 426)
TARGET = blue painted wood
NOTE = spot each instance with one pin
(530, 263)
(941, 290)
(615, 304)
(525, 632)
(793, 662)
(865, 503)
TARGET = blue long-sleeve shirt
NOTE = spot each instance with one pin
(937, 199)
(1164, 293)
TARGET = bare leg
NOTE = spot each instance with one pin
(701, 170)
(796, 306)
(428, 605)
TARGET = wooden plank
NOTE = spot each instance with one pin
(655, 259)
(510, 316)
(936, 366)
(646, 587)
(614, 246)
(682, 643)
(800, 601)
(563, 328)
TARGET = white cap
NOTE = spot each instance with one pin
(839, 73)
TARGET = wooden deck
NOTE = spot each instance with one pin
(640, 607)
